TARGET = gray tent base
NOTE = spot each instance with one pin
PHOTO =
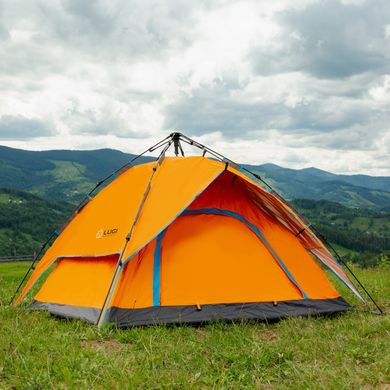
(262, 311)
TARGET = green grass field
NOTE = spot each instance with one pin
(38, 351)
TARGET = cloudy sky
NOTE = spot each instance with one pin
(298, 83)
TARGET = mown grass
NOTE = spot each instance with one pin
(38, 351)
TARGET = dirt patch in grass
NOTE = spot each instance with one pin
(106, 346)
(201, 332)
(270, 336)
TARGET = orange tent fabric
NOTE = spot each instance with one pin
(187, 239)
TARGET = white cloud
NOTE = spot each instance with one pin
(302, 83)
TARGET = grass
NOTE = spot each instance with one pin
(39, 351)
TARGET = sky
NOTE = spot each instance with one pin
(297, 83)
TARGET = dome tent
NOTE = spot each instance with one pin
(185, 239)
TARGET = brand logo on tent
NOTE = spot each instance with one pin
(106, 232)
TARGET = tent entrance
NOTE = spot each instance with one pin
(206, 258)
(77, 286)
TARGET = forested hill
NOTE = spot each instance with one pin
(26, 221)
(68, 175)
(312, 183)
(362, 234)
(58, 174)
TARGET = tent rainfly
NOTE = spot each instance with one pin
(188, 240)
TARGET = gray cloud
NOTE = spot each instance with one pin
(119, 29)
(216, 109)
(108, 121)
(353, 138)
(211, 109)
(19, 127)
(329, 39)
(68, 32)
(4, 34)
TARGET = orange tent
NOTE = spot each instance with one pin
(185, 239)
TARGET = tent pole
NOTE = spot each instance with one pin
(82, 204)
(223, 158)
(115, 275)
(151, 149)
(176, 143)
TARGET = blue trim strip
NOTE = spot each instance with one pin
(157, 270)
(257, 231)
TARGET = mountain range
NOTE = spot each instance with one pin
(312, 183)
(69, 174)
